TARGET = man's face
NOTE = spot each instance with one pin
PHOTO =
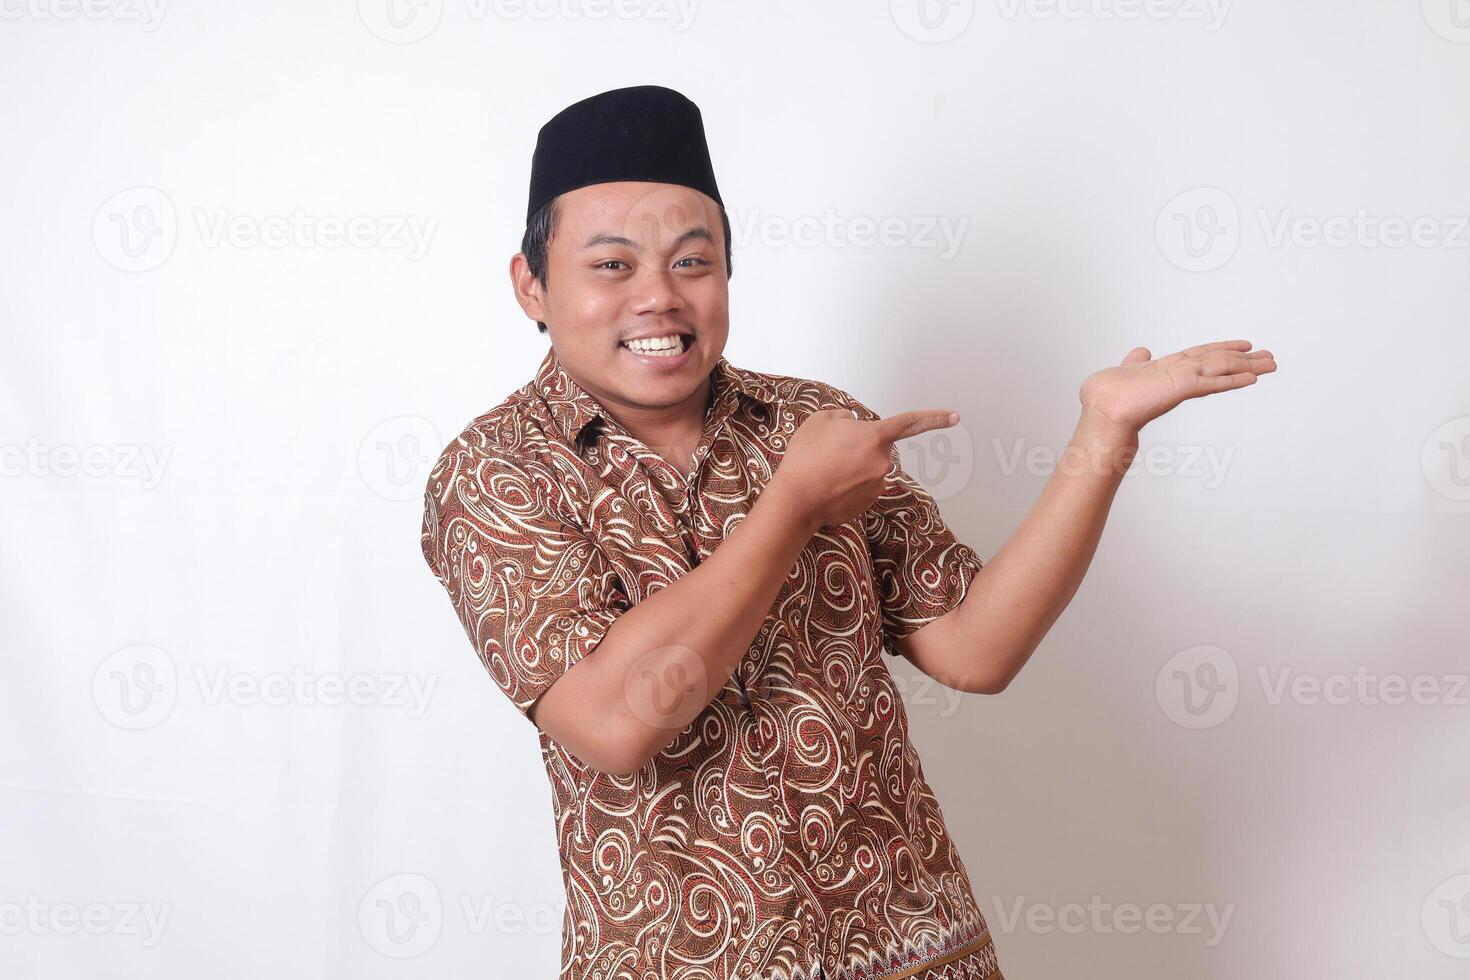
(640, 262)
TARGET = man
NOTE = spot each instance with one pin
(688, 576)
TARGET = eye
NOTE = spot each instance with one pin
(692, 258)
(604, 265)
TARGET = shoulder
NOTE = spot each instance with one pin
(501, 467)
(509, 438)
(496, 477)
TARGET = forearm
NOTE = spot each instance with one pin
(666, 658)
(1019, 594)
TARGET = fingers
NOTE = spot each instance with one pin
(906, 424)
(1199, 349)
(1218, 363)
(1227, 382)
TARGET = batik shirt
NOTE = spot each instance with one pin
(788, 832)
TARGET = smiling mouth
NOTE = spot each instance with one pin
(671, 345)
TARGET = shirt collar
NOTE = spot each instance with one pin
(574, 409)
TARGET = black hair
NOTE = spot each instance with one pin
(537, 240)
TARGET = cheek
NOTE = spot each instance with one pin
(583, 304)
(708, 296)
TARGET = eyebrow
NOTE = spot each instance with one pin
(606, 238)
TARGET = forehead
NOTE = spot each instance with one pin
(642, 211)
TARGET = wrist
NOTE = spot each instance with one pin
(1100, 446)
(1097, 426)
(787, 506)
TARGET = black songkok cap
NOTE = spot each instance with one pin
(646, 132)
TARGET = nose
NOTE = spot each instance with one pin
(655, 292)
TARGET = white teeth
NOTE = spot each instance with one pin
(669, 346)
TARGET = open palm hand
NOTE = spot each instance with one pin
(1142, 388)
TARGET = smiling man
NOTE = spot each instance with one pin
(689, 577)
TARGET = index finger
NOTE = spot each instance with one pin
(906, 424)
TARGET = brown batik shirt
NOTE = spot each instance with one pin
(787, 832)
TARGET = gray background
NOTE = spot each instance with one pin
(214, 445)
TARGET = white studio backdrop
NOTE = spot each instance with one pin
(254, 277)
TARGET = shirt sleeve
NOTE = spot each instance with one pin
(920, 570)
(533, 593)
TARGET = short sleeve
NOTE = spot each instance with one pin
(533, 593)
(920, 570)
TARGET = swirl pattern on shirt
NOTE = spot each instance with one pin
(788, 832)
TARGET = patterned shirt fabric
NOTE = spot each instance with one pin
(788, 833)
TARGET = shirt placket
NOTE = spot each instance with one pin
(792, 854)
(808, 911)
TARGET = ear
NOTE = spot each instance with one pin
(527, 289)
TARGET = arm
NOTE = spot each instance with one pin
(613, 680)
(981, 644)
(666, 658)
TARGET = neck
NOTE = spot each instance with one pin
(676, 426)
(671, 431)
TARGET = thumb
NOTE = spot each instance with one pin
(1137, 356)
(906, 424)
